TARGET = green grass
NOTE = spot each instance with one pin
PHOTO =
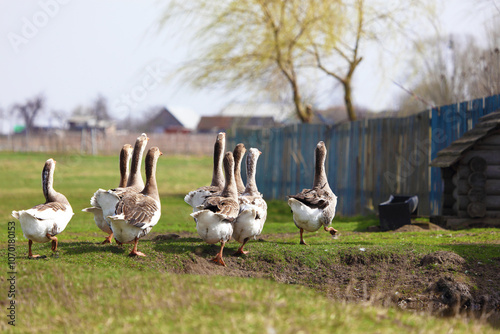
(97, 288)
(78, 300)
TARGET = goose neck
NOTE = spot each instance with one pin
(151, 188)
(320, 178)
(135, 177)
(124, 168)
(218, 173)
(251, 188)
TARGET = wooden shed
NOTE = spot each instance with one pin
(470, 168)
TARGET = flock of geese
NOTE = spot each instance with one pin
(226, 209)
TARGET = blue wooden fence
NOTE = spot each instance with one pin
(367, 160)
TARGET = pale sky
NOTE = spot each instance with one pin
(73, 50)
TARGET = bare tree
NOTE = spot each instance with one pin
(30, 110)
(450, 70)
(486, 66)
(100, 108)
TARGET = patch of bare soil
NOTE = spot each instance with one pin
(419, 226)
(442, 282)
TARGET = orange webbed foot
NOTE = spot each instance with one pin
(36, 256)
(136, 253)
(218, 259)
(240, 252)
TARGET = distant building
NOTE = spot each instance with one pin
(164, 122)
(247, 115)
(82, 122)
(225, 123)
(187, 117)
(280, 113)
(338, 114)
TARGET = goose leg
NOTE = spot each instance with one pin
(54, 242)
(30, 254)
(108, 239)
(240, 250)
(118, 243)
(134, 251)
(302, 242)
(331, 230)
(218, 258)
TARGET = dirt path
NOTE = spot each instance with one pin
(442, 283)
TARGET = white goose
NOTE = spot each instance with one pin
(253, 208)
(216, 215)
(196, 197)
(238, 153)
(137, 213)
(43, 222)
(313, 208)
(100, 221)
(106, 200)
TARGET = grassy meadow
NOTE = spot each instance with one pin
(93, 288)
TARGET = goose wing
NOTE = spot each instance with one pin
(138, 210)
(46, 210)
(314, 198)
(223, 205)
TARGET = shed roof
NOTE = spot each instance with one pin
(451, 154)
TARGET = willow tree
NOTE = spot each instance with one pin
(258, 44)
(274, 46)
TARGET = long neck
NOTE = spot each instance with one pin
(124, 170)
(151, 188)
(230, 189)
(320, 179)
(251, 188)
(135, 178)
(237, 175)
(48, 190)
(47, 184)
(217, 174)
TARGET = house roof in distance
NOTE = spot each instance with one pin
(279, 112)
(188, 117)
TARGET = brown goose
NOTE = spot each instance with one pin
(253, 208)
(100, 221)
(313, 208)
(196, 197)
(43, 222)
(216, 215)
(238, 153)
(107, 199)
(137, 213)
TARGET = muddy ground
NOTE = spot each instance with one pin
(442, 283)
